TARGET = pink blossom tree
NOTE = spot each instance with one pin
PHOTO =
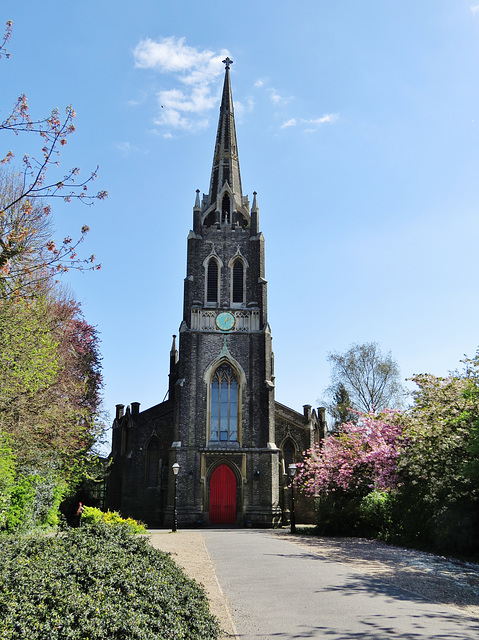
(360, 457)
(23, 203)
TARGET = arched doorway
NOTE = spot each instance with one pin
(223, 496)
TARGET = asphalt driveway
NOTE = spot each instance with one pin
(279, 590)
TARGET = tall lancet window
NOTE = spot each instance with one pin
(212, 281)
(238, 282)
(224, 405)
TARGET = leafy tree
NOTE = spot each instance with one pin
(51, 381)
(439, 467)
(370, 379)
(360, 457)
(339, 407)
(7, 477)
(412, 477)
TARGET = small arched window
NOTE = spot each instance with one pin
(212, 288)
(289, 454)
(224, 405)
(238, 282)
(225, 209)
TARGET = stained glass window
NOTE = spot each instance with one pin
(224, 405)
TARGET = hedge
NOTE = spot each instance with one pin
(97, 582)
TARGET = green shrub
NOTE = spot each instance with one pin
(376, 515)
(19, 516)
(33, 501)
(97, 582)
(7, 477)
(338, 514)
(91, 515)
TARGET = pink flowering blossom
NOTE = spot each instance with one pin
(362, 455)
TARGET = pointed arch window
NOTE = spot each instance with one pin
(237, 280)
(289, 454)
(212, 281)
(224, 405)
(225, 209)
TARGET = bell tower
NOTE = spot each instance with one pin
(224, 406)
(220, 421)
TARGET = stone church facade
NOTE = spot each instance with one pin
(220, 422)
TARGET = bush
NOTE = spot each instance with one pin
(376, 515)
(19, 516)
(348, 514)
(33, 501)
(338, 514)
(7, 477)
(91, 515)
(97, 582)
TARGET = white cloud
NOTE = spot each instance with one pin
(475, 9)
(328, 118)
(196, 70)
(241, 108)
(311, 124)
(126, 148)
(289, 123)
(276, 98)
(258, 83)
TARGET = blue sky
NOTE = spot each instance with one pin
(357, 124)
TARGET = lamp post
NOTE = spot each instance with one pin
(292, 473)
(176, 468)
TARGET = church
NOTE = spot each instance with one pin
(220, 422)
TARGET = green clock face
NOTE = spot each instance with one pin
(225, 321)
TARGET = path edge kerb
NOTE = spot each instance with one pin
(188, 549)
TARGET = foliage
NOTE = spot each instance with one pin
(377, 515)
(439, 467)
(370, 379)
(24, 258)
(7, 477)
(340, 406)
(51, 381)
(411, 477)
(91, 515)
(359, 457)
(34, 500)
(20, 512)
(49, 358)
(97, 582)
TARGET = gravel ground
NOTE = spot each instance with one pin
(435, 578)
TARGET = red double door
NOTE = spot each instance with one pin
(223, 496)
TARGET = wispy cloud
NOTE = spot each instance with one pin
(312, 124)
(328, 118)
(243, 107)
(475, 8)
(289, 123)
(276, 98)
(182, 108)
(126, 148)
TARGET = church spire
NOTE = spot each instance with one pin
(225, 161)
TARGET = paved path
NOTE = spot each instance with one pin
(280, 590)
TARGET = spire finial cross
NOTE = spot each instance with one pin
(228, 62)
